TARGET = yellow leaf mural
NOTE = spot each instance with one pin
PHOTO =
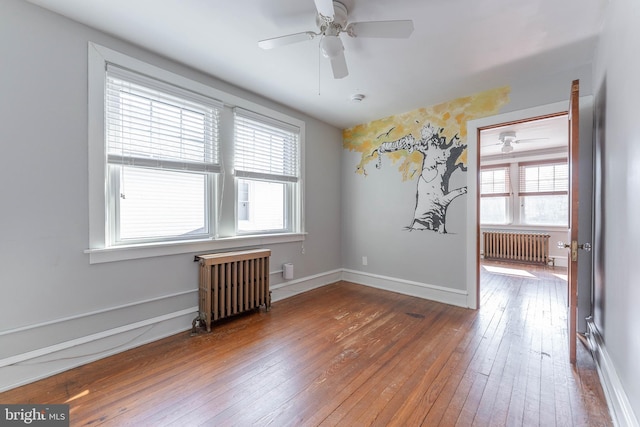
(430, 144)
(452, 116)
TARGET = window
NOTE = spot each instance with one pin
(158, 147)
(266, 167)
(495, 189)
(527, 193)
(162, 159)
(544, 193)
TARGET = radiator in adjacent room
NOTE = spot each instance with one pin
(517, 247)
(232, 283)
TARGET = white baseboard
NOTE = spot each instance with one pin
(407, 287)
(557, 261)
(560, 261)
(28, 367)
(298, 286)
(619, 406)
(45, 349)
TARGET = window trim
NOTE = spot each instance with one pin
(98, 251)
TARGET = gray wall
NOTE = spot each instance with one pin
(617, 67)
(45, 277)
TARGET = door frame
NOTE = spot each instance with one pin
(473, 200)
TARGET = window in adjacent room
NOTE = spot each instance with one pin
(544, 189)
(495, 193)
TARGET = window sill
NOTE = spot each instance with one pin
(129, 252)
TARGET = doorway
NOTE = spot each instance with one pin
(473, 144)
(523, 190)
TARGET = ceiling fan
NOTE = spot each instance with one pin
(332, 20)
(507, 139)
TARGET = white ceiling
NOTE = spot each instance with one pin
(458, 47)
(544, 136)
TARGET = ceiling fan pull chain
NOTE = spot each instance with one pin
(319, 60)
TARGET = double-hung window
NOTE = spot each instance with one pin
(544, 193)
(178, 166)
(495, 192)
(266, 172)
(162, 159)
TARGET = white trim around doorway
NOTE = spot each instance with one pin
(472, 184)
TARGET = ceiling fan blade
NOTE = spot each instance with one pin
(381, 29)
(285, 40)
(339, 66)
(325, 8)
(518, 141)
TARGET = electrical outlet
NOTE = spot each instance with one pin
(365, 261)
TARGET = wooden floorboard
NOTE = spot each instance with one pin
(351, 355)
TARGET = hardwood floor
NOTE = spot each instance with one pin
(350, 355)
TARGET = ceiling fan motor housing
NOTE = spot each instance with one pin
(508, 136)
(338, 23)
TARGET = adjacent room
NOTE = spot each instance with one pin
(287, 212)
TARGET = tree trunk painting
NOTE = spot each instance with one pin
(438, 163)
(430, 145)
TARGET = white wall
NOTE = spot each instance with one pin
(45, 277)
(617, 86)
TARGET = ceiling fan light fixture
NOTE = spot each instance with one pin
(507, 147)
(331, 46)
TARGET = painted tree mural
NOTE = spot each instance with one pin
(439, 161)
(430, 145)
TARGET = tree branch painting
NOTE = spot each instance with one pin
(429, 144)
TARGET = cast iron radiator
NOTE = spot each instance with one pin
(232, 283)
(519, 247)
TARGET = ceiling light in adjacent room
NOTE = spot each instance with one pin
(507, 147)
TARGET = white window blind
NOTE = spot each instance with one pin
(494, 181)
(154, 124)
(544, 179)
(265, 148)
(162, 152)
